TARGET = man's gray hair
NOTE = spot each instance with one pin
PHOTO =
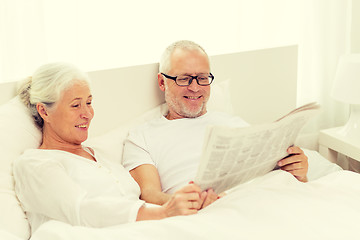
(47, 84)
(165, 60)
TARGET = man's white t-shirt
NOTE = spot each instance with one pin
(174, 147)
(54, 184)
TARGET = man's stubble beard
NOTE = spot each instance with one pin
(181, 109)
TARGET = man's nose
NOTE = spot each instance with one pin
(194, 86)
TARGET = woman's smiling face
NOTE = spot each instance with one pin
(69, 120)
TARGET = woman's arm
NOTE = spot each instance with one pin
(186, 201)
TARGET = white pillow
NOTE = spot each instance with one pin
(220, 99)
(7, 236)
(18, 132)
(318, 165)
(110, 145)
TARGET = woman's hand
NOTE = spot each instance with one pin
(188, 200)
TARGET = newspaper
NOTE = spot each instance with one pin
(232, 156)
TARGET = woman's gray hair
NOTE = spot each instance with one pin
(47, 84)
(165, 60)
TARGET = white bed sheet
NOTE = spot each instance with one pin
(275, 206)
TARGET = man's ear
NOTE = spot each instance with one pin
(42, 111)
(161, 82)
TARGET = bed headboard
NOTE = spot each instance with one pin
(262, 87)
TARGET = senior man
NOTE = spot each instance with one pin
(163, 155)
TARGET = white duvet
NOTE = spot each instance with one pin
(275, 206)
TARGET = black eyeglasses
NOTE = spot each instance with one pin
(185, 80)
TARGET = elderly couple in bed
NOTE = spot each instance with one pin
(67, 181)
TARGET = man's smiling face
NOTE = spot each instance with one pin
(187, 101)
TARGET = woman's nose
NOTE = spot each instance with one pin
(87, 113)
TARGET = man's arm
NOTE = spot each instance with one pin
(296, 163)
(148, 178)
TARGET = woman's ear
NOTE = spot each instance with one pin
(42, 111)
(161, 82)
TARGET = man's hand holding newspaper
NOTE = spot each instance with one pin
(232, 156)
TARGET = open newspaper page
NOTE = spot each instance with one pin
(232, 156)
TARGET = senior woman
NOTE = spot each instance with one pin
(67, 181)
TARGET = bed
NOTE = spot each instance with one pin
(250, 84)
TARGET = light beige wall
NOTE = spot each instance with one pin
(355, 27)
